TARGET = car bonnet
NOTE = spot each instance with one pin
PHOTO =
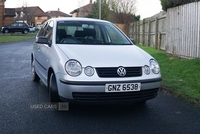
(109, 56)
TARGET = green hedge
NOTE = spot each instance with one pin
(173, 3)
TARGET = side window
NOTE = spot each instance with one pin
(42, 30)
(20, 24)
(14, 25)
(48, 31)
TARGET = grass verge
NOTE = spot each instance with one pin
(181, 77)
(14, 38)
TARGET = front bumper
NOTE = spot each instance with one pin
(95, 91)
(1, 30)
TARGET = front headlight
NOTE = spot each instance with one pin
(73, 68)
(154, 66)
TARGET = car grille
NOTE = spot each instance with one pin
(112, 72)
(109, 97)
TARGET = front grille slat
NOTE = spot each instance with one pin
(120, 96)
(112, 72)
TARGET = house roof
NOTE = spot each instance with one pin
(32, 10)
(54, 13)
(9, 12)
(29, 12)
(86, 8)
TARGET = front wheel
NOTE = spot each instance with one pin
(53, 89)
(25, 31)
(35, 77)
(6, 31)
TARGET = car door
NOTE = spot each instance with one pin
(38, 54)
(20, 27)
(45, 49)
(13, 27)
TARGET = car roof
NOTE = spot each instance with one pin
(78, 19)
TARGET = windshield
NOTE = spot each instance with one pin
(83, 32)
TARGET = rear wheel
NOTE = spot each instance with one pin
(35, 77)
(53, 89)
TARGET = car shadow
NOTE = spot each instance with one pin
(95, 110)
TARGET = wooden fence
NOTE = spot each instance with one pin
(177, 32)
(150, 31)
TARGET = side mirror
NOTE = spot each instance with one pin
(43, 40)
(132, 40)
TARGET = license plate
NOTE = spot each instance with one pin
(123, 87)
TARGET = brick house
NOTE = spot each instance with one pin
(6, 14)
(9, 14)
(35, 15)
(2, 12)
(40, 18)
(82, 11)
(28, 14)
(31, 15)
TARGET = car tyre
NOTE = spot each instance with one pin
(25, 31)
(35, 77)
(6, 31)
(53, 89)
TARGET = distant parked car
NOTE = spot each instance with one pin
(32, 29)
(38, 27)
(90, 60)
(16, 27)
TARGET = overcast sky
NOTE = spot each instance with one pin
(145, 8)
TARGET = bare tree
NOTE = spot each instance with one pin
(123, 6)
(25, 3)
(124, 10)
(24, 13)
(27, 13)
(81, 11)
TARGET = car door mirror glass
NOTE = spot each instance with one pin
(42, 40)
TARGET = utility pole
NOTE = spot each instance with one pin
(100, 9)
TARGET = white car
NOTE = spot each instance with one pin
(32, 29)
(90, 60)
(38, 27)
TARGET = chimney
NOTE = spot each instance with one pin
(58, 9)
(90, 1)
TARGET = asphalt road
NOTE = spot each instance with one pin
(163, 115)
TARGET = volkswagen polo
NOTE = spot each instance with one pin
(90, 60)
